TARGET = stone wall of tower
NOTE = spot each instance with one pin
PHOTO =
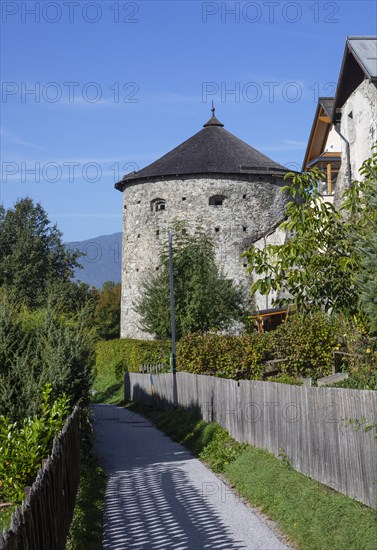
(252, 208)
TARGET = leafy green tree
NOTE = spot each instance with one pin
(316, 267)
(107, 311)
(43, 347)
(71, 297)
(364, 234)
(329, 261)
(32, 254)
(204, 298)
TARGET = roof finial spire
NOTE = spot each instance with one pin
(213, 120)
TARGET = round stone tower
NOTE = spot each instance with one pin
(214, 180)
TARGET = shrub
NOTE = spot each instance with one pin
(307, 342)
(25, 443)
(235, 357)
(38, 348)
(285, 378)
(114, 357)
(222, 450)
(107, 311)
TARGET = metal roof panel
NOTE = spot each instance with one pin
(365, 50)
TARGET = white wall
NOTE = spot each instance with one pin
(360, 130)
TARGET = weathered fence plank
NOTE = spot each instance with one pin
(309, 425)
(43, 520)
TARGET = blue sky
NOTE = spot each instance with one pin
(92, 90)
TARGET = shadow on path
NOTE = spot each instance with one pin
(161, 497)
(157, 506)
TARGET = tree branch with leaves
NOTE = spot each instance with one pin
(320, 264)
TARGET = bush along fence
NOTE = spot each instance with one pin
(313, 428)
(43, 520)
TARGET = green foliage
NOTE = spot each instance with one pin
(364, 235)
(207, 440)
(204, 297)
(114, 357)
(25, 443)
(67, 355)
(307, 342)
(71, 297)
(364, 378)
(121, 355)
(362, 424)
(5, 517)
(33, 257)
(315, 267)
(285, 378)
(313, 516)
(221, 451)
(179, 425)
(40, 347)
(329, 260)
(86, 527)
(226, 356)
(356, 353)
(107, 311)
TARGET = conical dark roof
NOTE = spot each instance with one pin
(213, 150)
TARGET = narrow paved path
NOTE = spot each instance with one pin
(160, 497)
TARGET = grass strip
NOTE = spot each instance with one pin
(106, 389)
(86, 528)
(5, 517)
(312, 515)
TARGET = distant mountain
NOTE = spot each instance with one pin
(102, 261)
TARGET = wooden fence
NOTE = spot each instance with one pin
(310, 425)
(43, 520)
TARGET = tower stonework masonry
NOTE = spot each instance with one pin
(213, 180)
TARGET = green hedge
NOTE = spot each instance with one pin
(114, 357)
(305, 342)
(226, 356)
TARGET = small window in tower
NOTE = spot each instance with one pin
(138, 202)
(183, 198)
(125, 206)
(138, 236)
(217, 200)
(244, 228)
(244, 196)
(157, 205)
(157, 232)
(157, 268)
(217, 229)
(245, 265)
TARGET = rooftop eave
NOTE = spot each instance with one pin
(319, 116)
(122, 184)
(348, 50)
